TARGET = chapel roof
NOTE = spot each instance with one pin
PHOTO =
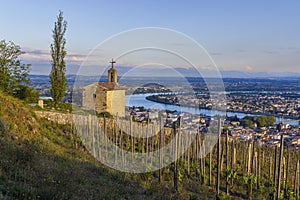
(111, 86)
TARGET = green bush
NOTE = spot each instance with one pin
(28, 94)
(104, 114)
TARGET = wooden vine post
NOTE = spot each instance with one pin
(296, 180)
(218, 160)
(227, 165)
(279, 166)
(287, 174)
(175, 150)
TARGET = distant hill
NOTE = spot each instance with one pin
(153, 85)
(242, 74)
(185, 72)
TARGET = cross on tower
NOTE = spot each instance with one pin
(112, 63)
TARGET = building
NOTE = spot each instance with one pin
(42, 99)
(105, 96)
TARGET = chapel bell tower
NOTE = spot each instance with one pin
(112, 73)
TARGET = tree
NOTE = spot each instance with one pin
(270, 120)
(261, 121)
(246, 122)
(233, 118)
(13, 74)
(28, 94)
(58, 53)
(265, 120)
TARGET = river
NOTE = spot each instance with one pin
(140, 100)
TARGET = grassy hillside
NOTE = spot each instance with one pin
(38, 160)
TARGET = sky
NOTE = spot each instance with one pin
(249, 36)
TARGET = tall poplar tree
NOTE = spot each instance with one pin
(58, 53)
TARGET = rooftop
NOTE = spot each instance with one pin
(111, 86)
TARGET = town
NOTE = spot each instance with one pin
(281, 104)
(260, 128)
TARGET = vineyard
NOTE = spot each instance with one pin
(215, 163)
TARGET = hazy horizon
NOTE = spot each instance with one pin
(186, 73)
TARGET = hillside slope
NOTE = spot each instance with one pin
(38, 160)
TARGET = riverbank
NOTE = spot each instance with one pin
(154, 98)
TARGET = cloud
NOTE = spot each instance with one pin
(75, 57)
(248, 68)
(35, 56)
(43, 56)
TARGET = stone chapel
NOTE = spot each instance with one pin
(105, 96)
